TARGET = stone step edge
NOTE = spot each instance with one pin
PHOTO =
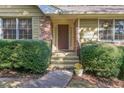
(65, 53)
(62, 66)
(64, 57)
(64, 61)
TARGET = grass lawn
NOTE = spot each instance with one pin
(13, 79)
(89, 81)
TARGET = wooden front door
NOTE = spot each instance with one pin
(63, 36)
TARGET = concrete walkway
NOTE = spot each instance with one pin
(54, 79)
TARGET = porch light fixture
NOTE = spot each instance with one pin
(106, 25)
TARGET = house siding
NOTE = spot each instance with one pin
(19, 10)
(35, 27)
(88, 30)
(42, 28)
(23, 11)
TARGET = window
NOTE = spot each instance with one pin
(25, 29)
(111, 29)
(9, 28)
(105, 29)
(14, 28)
(119, 30)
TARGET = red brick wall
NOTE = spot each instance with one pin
(46, 29)
(76, 44)
(75, 36)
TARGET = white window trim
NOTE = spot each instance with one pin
(113, 31)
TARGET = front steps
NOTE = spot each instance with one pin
(64, 60)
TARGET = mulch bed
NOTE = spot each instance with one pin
(12, 79)
(90, 81)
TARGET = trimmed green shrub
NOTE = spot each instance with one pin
(121, 74)
(101, 59)
(24, 55)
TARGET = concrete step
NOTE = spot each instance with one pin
(55, 55)
(64, 54)
(64, 61)
(66, 66)
(65, 57)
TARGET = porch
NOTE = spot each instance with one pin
(64, 42)
(65, 35)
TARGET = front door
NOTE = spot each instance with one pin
(63, 36)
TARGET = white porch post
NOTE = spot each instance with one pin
(17, 28)
(98, 30)
(1, 32)
(78, 33)
(113, 29)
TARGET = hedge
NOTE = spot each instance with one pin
(24, 55)
(101, 59)
(121, 74)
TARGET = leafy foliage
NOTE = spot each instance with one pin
(121, 74)
(101, 59)
(27, 55)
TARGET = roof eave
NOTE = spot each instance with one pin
(40, 10)
(88, 13)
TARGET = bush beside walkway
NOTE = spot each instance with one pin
(102, 59)
(24, 55)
